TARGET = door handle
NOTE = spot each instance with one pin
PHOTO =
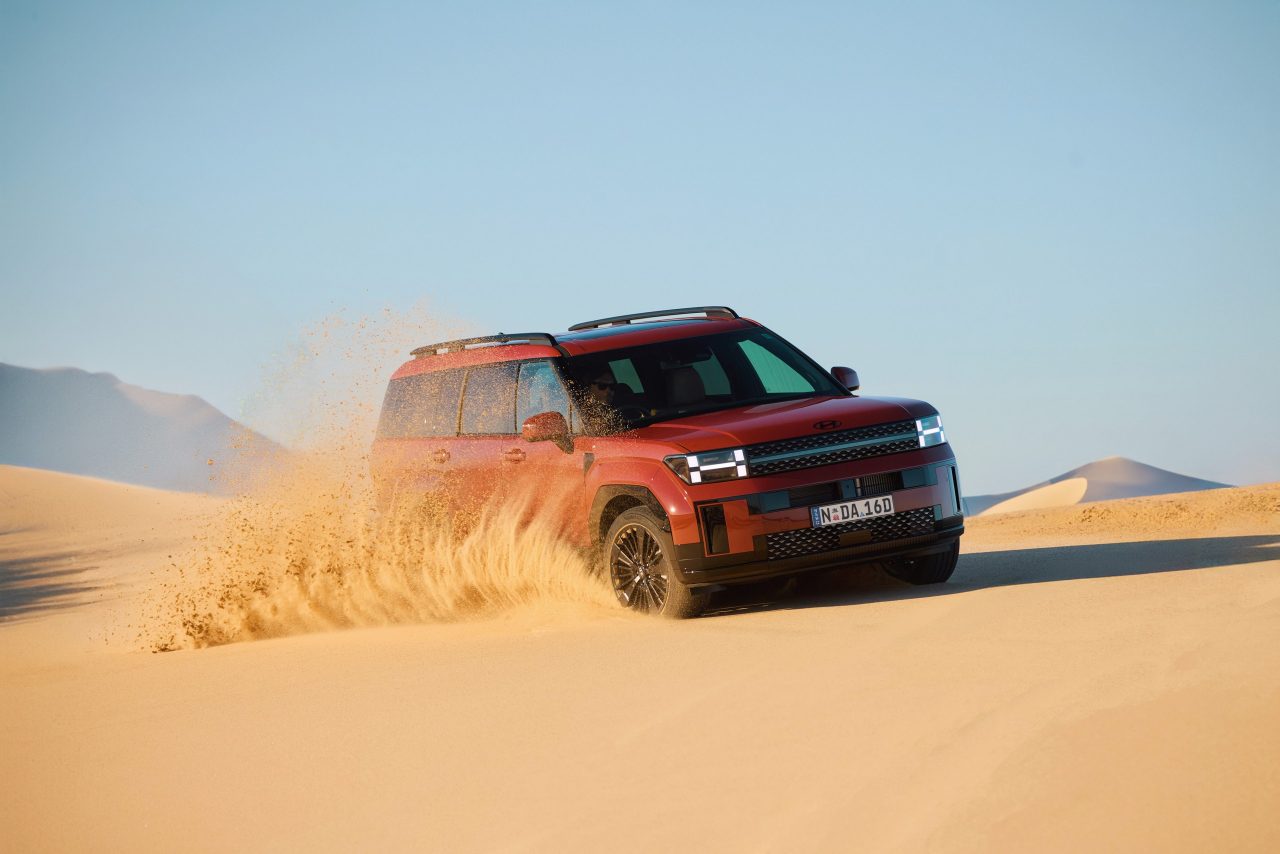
(440, 455)
(514, 455)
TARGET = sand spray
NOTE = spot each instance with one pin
(302, 546)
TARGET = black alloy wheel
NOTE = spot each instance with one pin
(640, 558)
(635, 566)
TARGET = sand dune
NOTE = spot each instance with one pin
(1060, 494)
(1094, 676)
(1104, 480)
(69, 420)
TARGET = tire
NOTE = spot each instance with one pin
(929, 569)
(640, 563)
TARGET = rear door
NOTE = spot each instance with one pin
(485, 458)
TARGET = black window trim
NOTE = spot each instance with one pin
(576, 425)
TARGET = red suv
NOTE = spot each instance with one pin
(699, 450)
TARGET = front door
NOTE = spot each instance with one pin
(553, 471)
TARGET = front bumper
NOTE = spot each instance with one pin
(766, 534)
(702, 572)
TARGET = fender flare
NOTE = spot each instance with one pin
(637, 496)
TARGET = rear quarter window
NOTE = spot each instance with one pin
(421, 405)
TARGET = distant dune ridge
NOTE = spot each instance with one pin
(1104, 480)
(70, 420)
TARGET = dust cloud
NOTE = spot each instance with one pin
(303, 546)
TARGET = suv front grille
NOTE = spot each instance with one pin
(822, 449)
(807, 541)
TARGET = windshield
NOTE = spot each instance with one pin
(620, 389)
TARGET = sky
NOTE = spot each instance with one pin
(1058, 223)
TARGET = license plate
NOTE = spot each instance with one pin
(851, 511)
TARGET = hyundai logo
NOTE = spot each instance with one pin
(825, 425)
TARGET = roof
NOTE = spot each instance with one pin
(582, 339)
(650, 332)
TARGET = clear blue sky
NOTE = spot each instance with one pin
(1059, 223)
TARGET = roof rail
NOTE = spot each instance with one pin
(500, 338)
(718, 311)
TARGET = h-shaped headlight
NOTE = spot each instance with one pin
(709, 467)
(929, 431)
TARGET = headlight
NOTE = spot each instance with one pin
(709, 467)
(929, 431)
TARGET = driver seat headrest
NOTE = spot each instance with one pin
(684, 386)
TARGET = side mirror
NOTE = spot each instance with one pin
(847, 377)
(547, 427)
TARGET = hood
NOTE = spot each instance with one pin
(769, 422)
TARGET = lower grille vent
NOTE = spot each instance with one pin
(807, 541)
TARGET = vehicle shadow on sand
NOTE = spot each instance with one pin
(34, 584)
(1002, 569)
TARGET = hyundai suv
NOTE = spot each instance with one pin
(698, 450)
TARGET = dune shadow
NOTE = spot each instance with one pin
(34, 584)
(1008, 568)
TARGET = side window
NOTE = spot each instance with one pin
(421, 405)
(540, 390)
(489, 401)
(775, 375)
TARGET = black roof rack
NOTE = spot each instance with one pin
(500, 338)
(719, 311)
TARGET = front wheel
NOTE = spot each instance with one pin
(929, 569)
(641, 559)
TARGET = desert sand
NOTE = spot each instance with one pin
(1104, 676)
